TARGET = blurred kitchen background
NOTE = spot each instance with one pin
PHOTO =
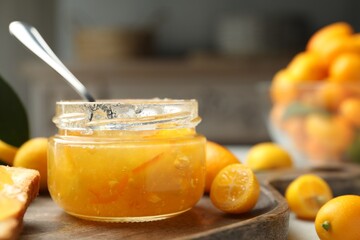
(216, 51)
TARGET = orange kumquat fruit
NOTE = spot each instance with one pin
(235, 189)
(217, 157)
(350, 109)
(306, 194)
(268, 155)
(339, 219)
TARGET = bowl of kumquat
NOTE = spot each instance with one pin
(315, 99)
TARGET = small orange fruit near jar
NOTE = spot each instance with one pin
(339, 219)
(306, 194)
(217, 157)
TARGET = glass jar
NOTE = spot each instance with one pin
(126, 160)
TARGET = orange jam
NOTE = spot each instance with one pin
(129, 166)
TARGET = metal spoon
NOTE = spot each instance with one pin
(32, 39)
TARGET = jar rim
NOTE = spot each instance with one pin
(130, 101)
(127, 114)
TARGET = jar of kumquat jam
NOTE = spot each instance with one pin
(126, 160)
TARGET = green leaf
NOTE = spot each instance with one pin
(298, 109)
(353, 151)
(14, 126)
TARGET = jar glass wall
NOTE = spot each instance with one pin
(126, 160)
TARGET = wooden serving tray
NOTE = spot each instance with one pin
(268, 220)
(342, 180)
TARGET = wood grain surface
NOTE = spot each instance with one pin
(344, 179)
(268, 220)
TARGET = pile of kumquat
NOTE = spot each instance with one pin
(316, 98)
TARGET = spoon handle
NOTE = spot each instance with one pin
(32, 39)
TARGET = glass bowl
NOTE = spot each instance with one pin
(318, 123)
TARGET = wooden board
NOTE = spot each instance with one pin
(268, 220)
(342, 180)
